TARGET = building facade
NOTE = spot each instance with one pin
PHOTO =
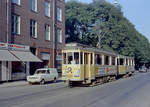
(39, 24)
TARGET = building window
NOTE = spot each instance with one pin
(33, 5)
(15, 24)
(59, 35)
(33, 28)
(59, 14)
(47, 8)
(47, 32)
(16, 1)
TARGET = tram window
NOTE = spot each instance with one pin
(121, 61)
(86, 58)
(129, 62)
(76, 57)
(70, 58)
(126, 61)
(98, 59)
(81, 58)
(91, 58)
(106, 60)
(113, 60)
(64, 58)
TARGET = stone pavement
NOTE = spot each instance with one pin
(13, 84)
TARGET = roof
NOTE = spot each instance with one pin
(78, 46)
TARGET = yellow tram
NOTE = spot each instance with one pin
(87, 65)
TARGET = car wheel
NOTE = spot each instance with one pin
(54, 79)
(42, 82)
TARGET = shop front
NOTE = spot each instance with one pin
(14, 61)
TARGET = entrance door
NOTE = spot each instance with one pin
(87, 67)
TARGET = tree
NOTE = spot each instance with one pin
(100, 20)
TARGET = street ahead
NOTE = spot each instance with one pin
(128, 92)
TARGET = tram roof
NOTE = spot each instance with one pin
(78, 46)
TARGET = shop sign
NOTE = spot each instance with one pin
(3, 45)
(14, 46)
(45, 56)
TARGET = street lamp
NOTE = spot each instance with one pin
(116, 2)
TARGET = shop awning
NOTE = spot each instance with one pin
(25, 56)
(5, 55)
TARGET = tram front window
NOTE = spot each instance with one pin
(76, 58)
(70, 58)
(73, 58)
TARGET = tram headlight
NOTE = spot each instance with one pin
(77, 73)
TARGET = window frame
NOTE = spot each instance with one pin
(33, 8)
(14, 26)
(59, 14)
(15, 2)
(59, 35)
(47, 31)
(47, 8)
(33, 27)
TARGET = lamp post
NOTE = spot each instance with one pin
(116, 2)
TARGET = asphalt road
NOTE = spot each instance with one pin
(129, 92)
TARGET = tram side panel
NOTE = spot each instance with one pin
(122, 69)
(72, 72)
(105, 71)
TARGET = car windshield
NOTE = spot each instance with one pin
(40, 72)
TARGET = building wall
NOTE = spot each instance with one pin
(25, 13)
(3, 21)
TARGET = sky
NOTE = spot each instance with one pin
(137, 12)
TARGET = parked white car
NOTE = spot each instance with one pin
(43, 75)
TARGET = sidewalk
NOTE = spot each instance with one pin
(13, 84)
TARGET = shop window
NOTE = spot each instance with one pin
(0, 70)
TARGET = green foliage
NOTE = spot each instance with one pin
(85, 23)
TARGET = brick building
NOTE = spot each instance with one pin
(37, 24)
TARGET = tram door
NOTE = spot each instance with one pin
(87, 65)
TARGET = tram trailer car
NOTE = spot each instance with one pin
(87, 65)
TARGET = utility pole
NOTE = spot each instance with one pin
(54, 32)
(7, 35)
